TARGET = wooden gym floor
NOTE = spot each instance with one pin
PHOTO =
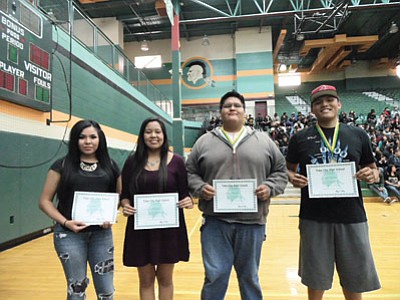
(32, 270)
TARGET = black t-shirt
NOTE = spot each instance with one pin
(307, 147)
(84, 181)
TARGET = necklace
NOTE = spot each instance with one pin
(153, 163)
(88, 167)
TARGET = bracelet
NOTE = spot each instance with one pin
(65, 222)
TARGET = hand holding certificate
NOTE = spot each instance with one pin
(235, 195)
(95, 208)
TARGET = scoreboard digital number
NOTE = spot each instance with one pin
(25, 55)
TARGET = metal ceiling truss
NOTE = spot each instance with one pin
(314, 22)
(271, 8)
(310, 16)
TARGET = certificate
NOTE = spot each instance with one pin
(332, 180)
(95, 208)
(156, 211)
(235, 195)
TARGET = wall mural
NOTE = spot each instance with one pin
(197, 73)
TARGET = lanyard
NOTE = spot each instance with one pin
(332, 146)
(234, 141)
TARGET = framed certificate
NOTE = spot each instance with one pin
(95, 208)
(156, 211)
(332, 180)
(235, 195)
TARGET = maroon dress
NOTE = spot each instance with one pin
(156, 246)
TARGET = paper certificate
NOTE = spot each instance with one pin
(235, 195)
(156, 211)
(95, 208)
(332, 180)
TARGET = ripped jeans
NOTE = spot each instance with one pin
(75, 250)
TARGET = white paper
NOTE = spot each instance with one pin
(95, 208)
(156, 211)
(235, 195)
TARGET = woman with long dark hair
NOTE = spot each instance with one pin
(87, 167)
(153, 169)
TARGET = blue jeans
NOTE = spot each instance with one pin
(393, 189)
(231, 244)
(383, 194)
(75, 250)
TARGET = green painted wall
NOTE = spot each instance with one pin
(192, 132)
(21, 187)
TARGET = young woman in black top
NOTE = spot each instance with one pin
(87, 167)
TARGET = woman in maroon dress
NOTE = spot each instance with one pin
(151, 169)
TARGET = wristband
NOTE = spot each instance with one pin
(65, 222)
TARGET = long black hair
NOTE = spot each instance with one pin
(140, 156)
(73, 157)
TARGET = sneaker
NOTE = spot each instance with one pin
(387, 200)
(393, 201)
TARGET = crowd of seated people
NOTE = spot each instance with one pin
(383, 130)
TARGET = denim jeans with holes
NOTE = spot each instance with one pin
(75, 250)
(231, 244)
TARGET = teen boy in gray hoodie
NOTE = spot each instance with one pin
(234, 151)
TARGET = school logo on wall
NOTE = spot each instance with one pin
(197, 73)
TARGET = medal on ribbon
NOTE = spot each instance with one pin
(328, 145)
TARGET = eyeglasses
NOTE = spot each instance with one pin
(235, 105)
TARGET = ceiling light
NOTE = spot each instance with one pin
(282, 68)
(393, 28)
(144, 46)
(206, 41)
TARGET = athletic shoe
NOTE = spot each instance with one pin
(387, 199)
(393, 201)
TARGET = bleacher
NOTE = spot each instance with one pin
(359, 101)
(282, 104)
(390, 97)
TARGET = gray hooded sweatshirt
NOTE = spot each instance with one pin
(256, 156)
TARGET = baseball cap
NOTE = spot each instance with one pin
(323, 90)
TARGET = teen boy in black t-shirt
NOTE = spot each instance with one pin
(333, 230)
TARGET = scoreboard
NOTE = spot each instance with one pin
(25, 55)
